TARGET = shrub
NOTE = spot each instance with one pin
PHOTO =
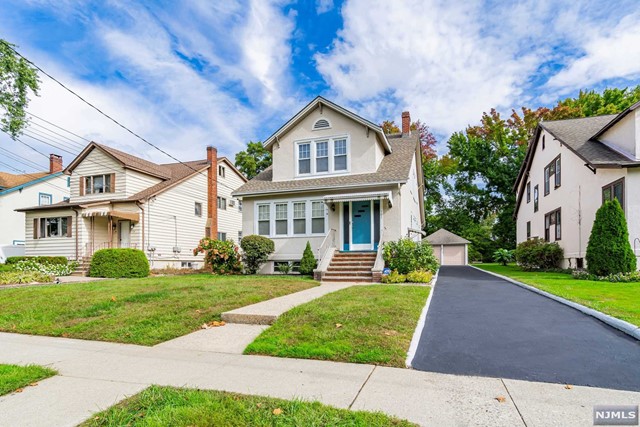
(538, 254)
(609, 250)
(285, 267)
(17, 277)
(419, 276)
(119, 262)
(30, 264)
(256, 250)
(40, 259)
(221, 256)
(394, 277)
(503, 256)
(308, 262)
(634, 276)
(405, 255)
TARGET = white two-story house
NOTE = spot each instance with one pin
(338, 182)
(571, 167)
(122, 201)
(27, 189)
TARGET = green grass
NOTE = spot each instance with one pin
(14, 377)
(377, 323)
(167, 406)
(138, 311)
(621, 300)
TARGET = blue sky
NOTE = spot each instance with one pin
(189, 74)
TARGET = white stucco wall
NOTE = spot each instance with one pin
(12, 223)
(579, 196)
(366, 152)
(624, 136)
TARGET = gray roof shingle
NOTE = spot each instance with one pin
(577, 135)
(394, 168)
(445, 237)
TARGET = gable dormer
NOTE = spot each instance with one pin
(623, 133)
(324, 139)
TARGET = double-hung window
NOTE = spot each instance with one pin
(528, 230)
(552, 168)
(52, 227)
(98, 184)
(535, 198)
(198, 209)
(299, 218)
(322, 156)
(304, 158)
(45, 199)
(264, 220)
(528, 192)
(615, 190)
(317, 217)
(553, 220)
(558, 177)
(282, 219)
(222, 203)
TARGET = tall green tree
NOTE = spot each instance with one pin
(18, 78)
(253, 160)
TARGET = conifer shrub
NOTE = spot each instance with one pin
(308, 262)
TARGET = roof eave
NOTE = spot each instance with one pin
(313, 189)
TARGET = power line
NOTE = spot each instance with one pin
(61, 128)
(34, 178)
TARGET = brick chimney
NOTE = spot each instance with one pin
(55, 163)
(212, 193)
(406, 122)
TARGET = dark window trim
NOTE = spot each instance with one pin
(553, 216)
(536, 198)
(528, 230)
(529, 192)
(611, 185)
(551, 167)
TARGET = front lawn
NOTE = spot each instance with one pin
(14, 377)
(137, 311)
(167, 406)
(621, 300)
(361, 324)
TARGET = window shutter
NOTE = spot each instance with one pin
(36, 227)
(69, 226)
(113, 183)
(81, 185)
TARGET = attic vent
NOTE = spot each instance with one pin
(321, 124)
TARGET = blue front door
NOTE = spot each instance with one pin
(361, 225)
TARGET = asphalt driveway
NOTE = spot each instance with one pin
(478, 324)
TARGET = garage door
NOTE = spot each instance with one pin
(453, 255)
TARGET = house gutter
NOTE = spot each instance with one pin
(314, 189)
(77, 232)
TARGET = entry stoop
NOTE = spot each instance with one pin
(350, 267)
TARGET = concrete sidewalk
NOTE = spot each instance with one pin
(266, 312)
(94, 375)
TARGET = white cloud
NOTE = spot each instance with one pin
(610, 53)
(323, 6)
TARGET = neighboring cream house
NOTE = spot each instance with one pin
(338, 182)
(571, 167)
(29, 189)
(122, 201)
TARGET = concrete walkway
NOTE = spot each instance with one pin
(266, 312)
(95, 375)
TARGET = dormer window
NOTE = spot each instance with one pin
(322, 156)
(321, 124)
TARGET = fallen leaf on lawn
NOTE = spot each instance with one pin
(19, 390)
(34, 384)
(204, 326)
(13, 327)
(65, 335)
(215, 324)
(501, 399)
(277, 411)
(113, 299)
(198, 311)
(390, 333)
(568, 386)
(338, 325)
(259, 405)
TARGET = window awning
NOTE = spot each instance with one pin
(132, 216)
(360, 197)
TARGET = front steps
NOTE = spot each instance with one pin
(350, 267)
(83, 267)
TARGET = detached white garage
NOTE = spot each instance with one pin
(449, 248)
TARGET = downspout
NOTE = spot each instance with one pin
(76, 234)
(140, 206)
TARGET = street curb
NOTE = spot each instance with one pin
(415, 340)
(621, 325)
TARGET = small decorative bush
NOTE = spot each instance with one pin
(419, 276)
(53, 269)
(119, 262)
(394, 277)
(634, 276)
(285, 267)
(609, 250)
(18, 277)
(256, 250)
(405, 255)
(503, 256)
(308, 262)
(40, 259)
(222, 257)
(538, 254)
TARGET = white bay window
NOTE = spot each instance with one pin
(282, 220)
(264, 222)
(291, 218)
(299, 218)
(322, 156)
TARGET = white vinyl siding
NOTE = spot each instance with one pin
(229, 220)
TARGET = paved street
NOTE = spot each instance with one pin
(478, 324)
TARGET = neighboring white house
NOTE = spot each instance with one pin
(571, 167)
(120, 200)
(338, 182)
(38, 188)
